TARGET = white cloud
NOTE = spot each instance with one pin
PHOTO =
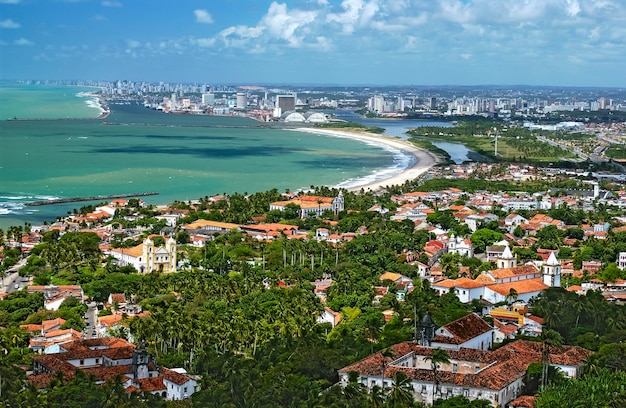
(573, 8)
(356, 14)
(466, 55)
(286, 25)
(107, 3)
(133, 44)
(203, 16)
(23, 42)
(8, 23)
(204, 42)
(9, 1)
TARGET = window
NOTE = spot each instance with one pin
(185, 389)
(455, 367)
(476, 369)
(466, 393)
(97, 361)
(424, 389)
(82, 362)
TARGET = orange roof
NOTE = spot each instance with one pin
(135, 251)
(110, 320)
(523, 286)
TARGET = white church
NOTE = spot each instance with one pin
(147, 257)
(505, 282)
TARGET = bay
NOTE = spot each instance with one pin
(179, 156)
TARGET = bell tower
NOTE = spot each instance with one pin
(552, 271)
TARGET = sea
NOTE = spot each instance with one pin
(53, 145)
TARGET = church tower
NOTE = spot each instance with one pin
(507, 260)
(425, 331)
(140, 363)
(148, 255)
(552, 271)
(338, 204)
(170, 247)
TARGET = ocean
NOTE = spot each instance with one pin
(137, 149)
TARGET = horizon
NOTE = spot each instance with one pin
(548, 43)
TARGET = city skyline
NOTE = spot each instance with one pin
(377, 42)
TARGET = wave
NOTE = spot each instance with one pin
(401, 162)
(28, 197)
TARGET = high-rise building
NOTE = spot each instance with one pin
(433, 103)
(242, 100)
(208, 99)
(286, 103)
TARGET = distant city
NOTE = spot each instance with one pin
(290, 103)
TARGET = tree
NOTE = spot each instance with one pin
(401, 394)
(601, 389)
(385, 354)
(484, 237)
(549, 338)
(437, 357)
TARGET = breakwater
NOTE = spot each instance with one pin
(89, 198)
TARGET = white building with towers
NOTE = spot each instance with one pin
(147, 257)
(506, 282)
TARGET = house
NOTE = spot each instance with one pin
(54, 296)
(469, 332)
(104, 359)
(403, 284)
(208, 226)
(329, 316)
(476, 374)
(270, 230)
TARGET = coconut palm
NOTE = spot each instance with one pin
(549, 338)
(385, 354)
(401, 394)
(437, 357)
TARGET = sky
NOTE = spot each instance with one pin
(326, 42)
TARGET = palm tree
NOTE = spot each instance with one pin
(401, 394)
(512, 296)
(385, 354)
(376, 397)
(437, 356)
(549, 338)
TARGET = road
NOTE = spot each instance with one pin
(91, 319)
(13, 281)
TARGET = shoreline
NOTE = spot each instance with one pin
(424, 159)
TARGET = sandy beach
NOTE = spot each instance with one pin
(423, 159)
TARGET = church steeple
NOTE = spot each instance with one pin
(507, 260)
(552, 271)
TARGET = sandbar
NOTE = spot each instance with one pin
(424, 159)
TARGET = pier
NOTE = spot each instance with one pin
(89, 198)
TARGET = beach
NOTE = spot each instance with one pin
(424, 160)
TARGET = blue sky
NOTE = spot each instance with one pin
(370, 42)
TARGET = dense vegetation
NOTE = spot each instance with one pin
(350, 126)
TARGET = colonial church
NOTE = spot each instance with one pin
(508, 280)
(147, 257)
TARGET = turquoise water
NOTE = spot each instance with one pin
(44, 101)
(180, 156)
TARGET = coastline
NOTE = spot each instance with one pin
(424, 160)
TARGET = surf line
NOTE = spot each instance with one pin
(89, 198)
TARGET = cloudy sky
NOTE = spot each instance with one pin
(370, 42)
